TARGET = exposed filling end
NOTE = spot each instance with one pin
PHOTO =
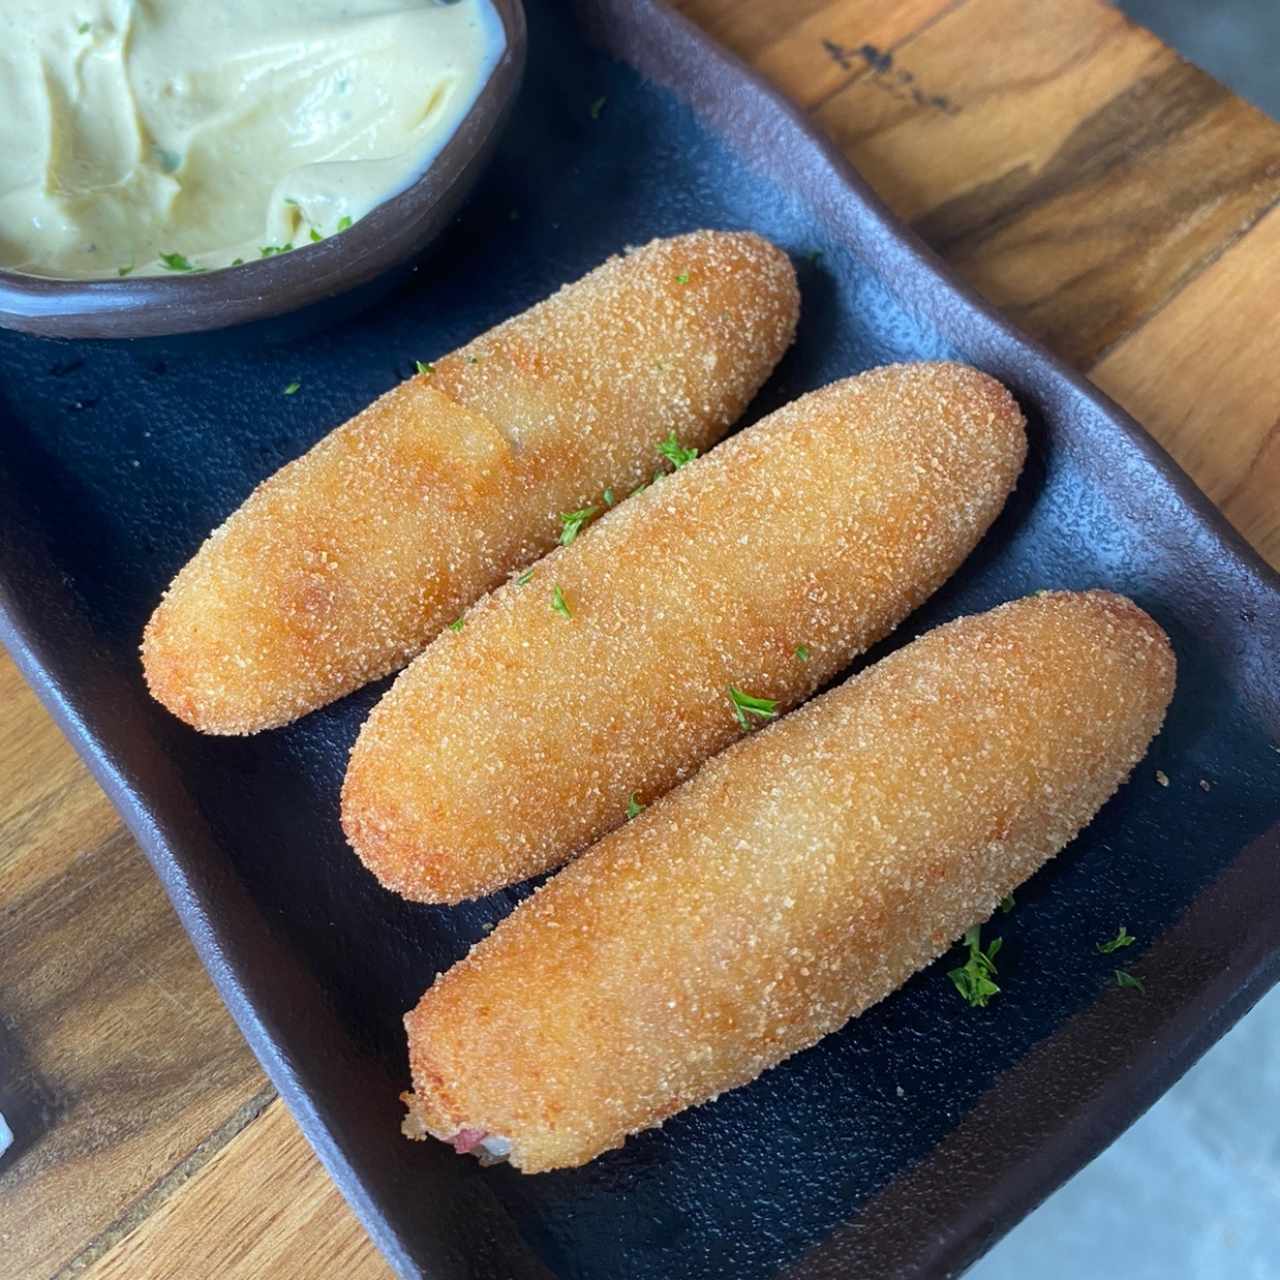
(489, 1148)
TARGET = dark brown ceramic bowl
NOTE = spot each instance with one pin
(395, 231)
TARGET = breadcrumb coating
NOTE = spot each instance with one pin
(342, 565)
(800, 877)
(767, 565)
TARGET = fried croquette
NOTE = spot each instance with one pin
(343, 565)
(724, 594)
(800, 877)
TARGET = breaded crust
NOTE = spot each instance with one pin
(800, 877)
(767, 565)
(341, 566)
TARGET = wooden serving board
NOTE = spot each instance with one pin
(1114, 200)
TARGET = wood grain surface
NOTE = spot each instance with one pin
(1113, 199)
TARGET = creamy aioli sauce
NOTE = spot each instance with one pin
(152, 135)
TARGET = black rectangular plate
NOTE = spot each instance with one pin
(908, 1142)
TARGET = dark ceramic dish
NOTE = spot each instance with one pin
(904, 1145)
(397, 230)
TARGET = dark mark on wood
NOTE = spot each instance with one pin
(879, 62)
(838, 54)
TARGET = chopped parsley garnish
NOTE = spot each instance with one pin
(802, 652)
(456, 624)
(237, 262)
(682, 278)
(596, 108)
(608, 497)
(573, 522)
(1125, 979)
(973, 979)
(270, 250)
(344, 222)
(1007, 903)
(316, 237)
(176, 262)
(291, 200)
(675, 453)
(292, 389)
(1123, 938)
(124, 271)
(523, 579)
(424, 366)
(634, 807)
(84, 28)
(559, 604)
(745, 704)
(640, 488)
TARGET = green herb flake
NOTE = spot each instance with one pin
(524, 579)
(124, 271)
(456, 624)
(344, 222)
(176, 262)
(316, 237)
(608, 497)
(640, 488)
(1125, 979)
(973, 979)
(237, 262)
(746, 704)
(84, 28)
(559, 604)
(292, 389)
(291, 200)
(270, 250)
(1007, 903)
(802, 653)
(675, 453)
(1123, 938)
(596, 108)
(634, 807)
(682, 278)
(424, 366)
(573, 522)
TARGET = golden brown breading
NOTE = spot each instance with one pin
(341, 566)
(767, 565)
(800, 877)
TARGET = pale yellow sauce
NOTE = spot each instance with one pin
(205, 131)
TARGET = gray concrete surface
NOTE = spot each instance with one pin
(1191, 1192)
(1238, 41)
